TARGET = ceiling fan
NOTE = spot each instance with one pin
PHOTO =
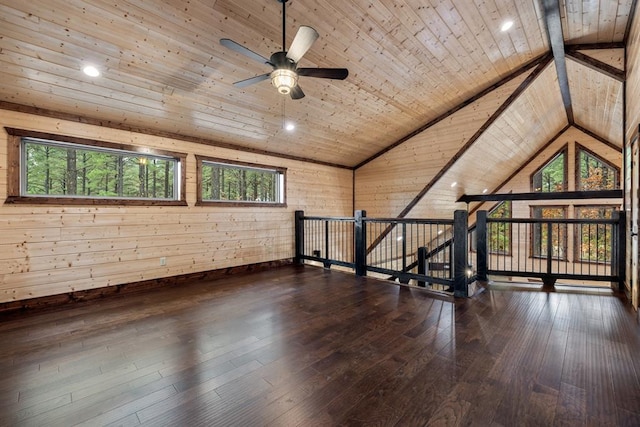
(285, 63)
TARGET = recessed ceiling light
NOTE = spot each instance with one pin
(453, 184)
(485, 190)
(290, 127)
(506, 25)
(91, 71)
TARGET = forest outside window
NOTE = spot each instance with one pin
(499, 233)
(235, 183)
(594, 173)
(551, 177)
(540, 233)
(593, 241)
(55, 169)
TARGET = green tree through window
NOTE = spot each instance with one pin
(551, 176)
(57, 169)
(242, 183)
(594, 173)
(499, 233)
(593, 241)
(541, 232)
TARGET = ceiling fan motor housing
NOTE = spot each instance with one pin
(284, 76)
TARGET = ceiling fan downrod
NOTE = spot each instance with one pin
(284, 23)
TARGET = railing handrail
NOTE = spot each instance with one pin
(554, 220)
(571, 265)
(350, 239)
(361, 259)
(411, 221)
(329, 218)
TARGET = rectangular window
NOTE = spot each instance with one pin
(221, 181)
(594, 241)
(552, 233)
(56, 169)
(499, 233)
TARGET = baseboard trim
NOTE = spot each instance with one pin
(58, 300)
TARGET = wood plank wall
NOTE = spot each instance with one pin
(49, 250)
(632, 119)
(633, 78)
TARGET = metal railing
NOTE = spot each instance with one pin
(436, 253)
(432, 252)
(551, 249)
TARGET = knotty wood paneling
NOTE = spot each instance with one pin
(47, 250)
(501, 149)
(633, 79)
(597, 21)
(597, 101)
(613, 57)
(163, 68)
(387, 184)
(632, 122)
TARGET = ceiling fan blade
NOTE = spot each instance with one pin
(228, 43)
(252, 80)
(324, 73)
(303, 40)
(296, 93)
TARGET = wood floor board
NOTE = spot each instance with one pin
(305, 346)
(571, 407)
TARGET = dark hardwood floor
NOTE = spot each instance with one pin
(305, 346)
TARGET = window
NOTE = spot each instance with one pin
(220, 181)
(551, 177)
(540, 232)
(593, 241)
(594, 173)
(499, 233)
(57, 169)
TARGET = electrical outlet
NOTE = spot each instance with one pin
(163, 261)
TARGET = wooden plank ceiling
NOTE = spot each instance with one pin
(410, 61)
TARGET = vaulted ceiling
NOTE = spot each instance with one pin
(412, 63)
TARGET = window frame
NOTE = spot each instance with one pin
(578, 177)
(201, 160)
(577, 238)
(508, 231)
(15, 171)
(563, 151)
(565, 246)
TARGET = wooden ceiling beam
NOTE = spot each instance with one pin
(594, 46)
(524, 165)
(526, 67)
(516, 93)
(632, 13)
(553, 23)
(598, 138)
(597, 65)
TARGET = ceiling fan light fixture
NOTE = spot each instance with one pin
(284, 80)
